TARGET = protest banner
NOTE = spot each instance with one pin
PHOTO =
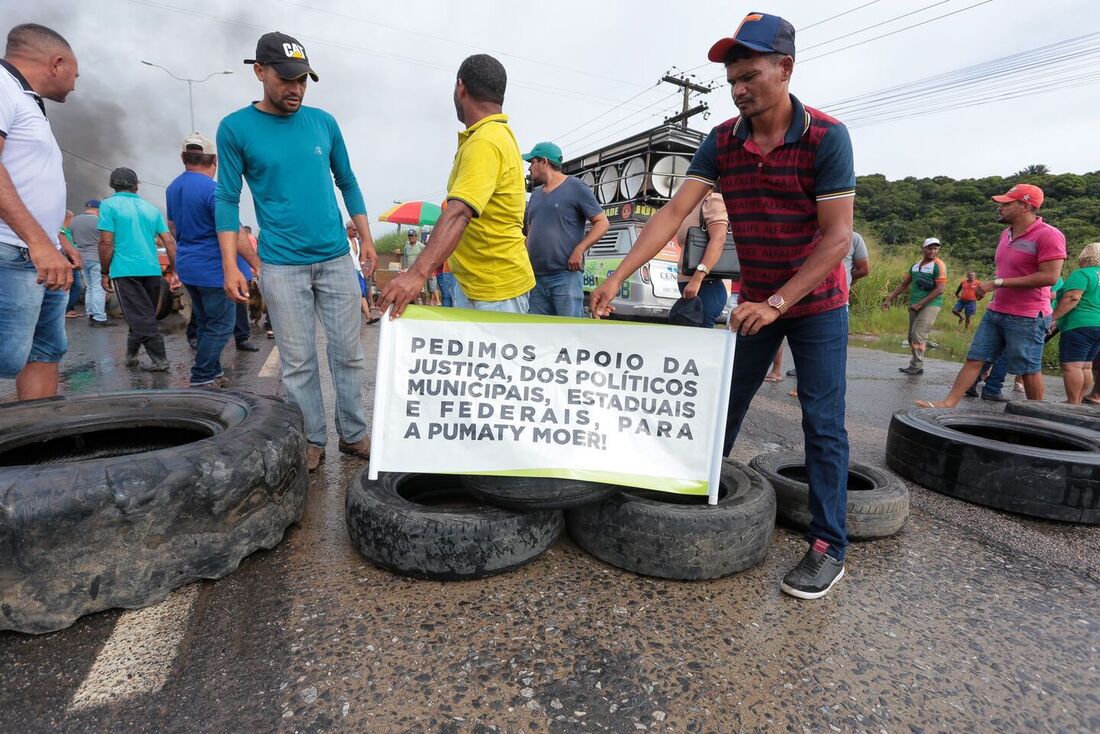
(475, 392)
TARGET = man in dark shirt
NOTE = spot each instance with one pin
(786, 173)
(554, 226)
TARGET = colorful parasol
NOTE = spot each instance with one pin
(419, 213)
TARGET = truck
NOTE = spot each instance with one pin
(632, 179)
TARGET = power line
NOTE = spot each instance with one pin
(444, 39)
(874, 25)
(557, 91)
(838, 15)
(106, 168)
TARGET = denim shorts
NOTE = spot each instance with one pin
(1079, 345)
(1019, 338)
(32, 318)
(967, 307)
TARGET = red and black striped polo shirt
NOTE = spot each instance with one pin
(772, 200)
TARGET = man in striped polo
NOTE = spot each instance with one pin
(786, 173)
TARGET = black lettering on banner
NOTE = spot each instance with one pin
(412, 409)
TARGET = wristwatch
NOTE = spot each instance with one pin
(702, 268)
(777, 302)
(998, 282)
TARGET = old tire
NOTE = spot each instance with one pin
(1082, 416)
(536, 493)
(679, 536)
(1009, 462)
(166, 300)
(425, 525)
(115, 499)
(878, 502)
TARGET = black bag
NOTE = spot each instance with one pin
(727, 266)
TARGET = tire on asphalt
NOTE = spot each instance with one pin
(116, 499)
(166, 301)
(428, 526)
(536, 493)
(676, 536)
(1082, 416)
(1008, 462)
(878, 502)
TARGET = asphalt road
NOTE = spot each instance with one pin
(968, 620)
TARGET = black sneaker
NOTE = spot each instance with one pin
(814, 575)
(911, 371)
(193, 343)
(972, 391)
(792, 373)
(247, 346)
(994, 397)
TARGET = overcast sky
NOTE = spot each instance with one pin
(387, 73)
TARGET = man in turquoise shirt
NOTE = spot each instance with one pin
(290, 155)
(130, 229)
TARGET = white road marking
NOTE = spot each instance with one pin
(271, 364)
(139, 654)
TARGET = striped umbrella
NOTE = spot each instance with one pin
(419, 213)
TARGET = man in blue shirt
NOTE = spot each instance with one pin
(556, 242)
(130, 229)
(290, 155)
(190, 199)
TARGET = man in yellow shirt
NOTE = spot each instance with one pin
(481, 229)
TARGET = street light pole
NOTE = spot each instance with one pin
(190, 94)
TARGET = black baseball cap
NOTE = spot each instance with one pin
(284, 54)
(123, 177)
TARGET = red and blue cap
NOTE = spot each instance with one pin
(760, 32)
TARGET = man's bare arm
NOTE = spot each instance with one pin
(54, 271)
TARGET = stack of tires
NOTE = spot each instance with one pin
(462, 527)
(1037, 459)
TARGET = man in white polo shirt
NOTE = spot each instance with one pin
(34, 276)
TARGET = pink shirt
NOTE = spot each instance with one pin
(1021, 256)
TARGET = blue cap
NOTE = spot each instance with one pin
(91, 204)
(767, 34)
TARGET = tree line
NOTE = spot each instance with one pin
(901, 214)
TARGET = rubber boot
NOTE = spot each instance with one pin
(159, 360)
(132, 346)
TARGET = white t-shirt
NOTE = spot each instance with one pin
(32, 158)
(353, 250)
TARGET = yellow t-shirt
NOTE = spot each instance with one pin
(491, 262)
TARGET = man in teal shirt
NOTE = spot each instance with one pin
(130, 229)
(290, 155)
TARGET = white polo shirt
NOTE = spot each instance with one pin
(30, 155)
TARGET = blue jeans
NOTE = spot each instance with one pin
(713, 294)
(819, 345)
(447, 286)
(215, 316)
(76, 292)
(95, 298)
(32, 318)
(508, 305)
(1018, 340)
(297, 296)
(995, 382)
(558, 294)
(242, 330)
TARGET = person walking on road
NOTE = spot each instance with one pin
(130, 229)
(480, 232)
(967, 303)
(290, 155)
(35, 276)
(364, 286)
(1029, 259)
(191, 212)
(1078, 318)
(78, 289)
(791, 244)
(926, 282)
(556, 241)
(85, 229)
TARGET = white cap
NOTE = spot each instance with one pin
(204, 144)
(931, 241)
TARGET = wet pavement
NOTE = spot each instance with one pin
(968, 620)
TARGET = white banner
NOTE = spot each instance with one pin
(474, 392)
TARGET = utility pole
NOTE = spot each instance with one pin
(686, 87)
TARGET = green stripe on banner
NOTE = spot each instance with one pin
(466, 315)
(626, 481)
